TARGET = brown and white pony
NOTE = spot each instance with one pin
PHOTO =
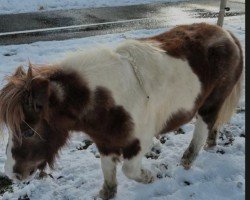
(122, 98)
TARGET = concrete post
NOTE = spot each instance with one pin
(223, 4)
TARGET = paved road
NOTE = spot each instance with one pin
(74, 23)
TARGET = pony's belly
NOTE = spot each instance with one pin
(178, 119)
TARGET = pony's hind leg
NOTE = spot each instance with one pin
(197, 142)
(212, 137)
(109, 187)
(206, 127)
(223, 113)
(216, 110)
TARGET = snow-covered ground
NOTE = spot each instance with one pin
(217, 174)
(9, 6)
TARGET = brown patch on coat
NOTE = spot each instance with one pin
(109, 125)
(65, 113)
(213, 57)
(132, 149)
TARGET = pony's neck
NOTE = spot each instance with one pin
(85, 109)
(69, 98)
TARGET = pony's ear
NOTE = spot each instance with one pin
(19, 72)
(39, 88)
(29, 73)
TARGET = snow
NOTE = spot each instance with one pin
(216, 174)
(239, 1)
(24, 6)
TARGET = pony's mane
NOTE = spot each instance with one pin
(11, 96)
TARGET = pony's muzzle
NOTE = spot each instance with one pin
(17, 176)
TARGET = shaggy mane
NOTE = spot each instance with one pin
(11, 96)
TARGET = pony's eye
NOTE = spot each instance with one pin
(28, 133)
(38, 107)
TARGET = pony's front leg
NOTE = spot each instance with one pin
(133, 169)
(109, 187)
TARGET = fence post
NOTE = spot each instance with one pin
(223, 4)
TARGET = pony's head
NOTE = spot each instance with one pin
(38, 115)
(24, 110)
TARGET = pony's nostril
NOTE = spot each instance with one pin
(18, 177)
(32, 171)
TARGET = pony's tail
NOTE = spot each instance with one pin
(230, 104)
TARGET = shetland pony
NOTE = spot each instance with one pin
(122, 98)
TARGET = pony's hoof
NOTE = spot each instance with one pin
(188, 158)
(210, 145)
(186, 163)
(107, 192)
(146, 176)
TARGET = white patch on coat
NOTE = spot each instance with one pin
(109, 169)
(200, 134)
(10, 162)
(58, 89)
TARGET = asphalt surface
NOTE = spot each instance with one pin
(75, 23)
